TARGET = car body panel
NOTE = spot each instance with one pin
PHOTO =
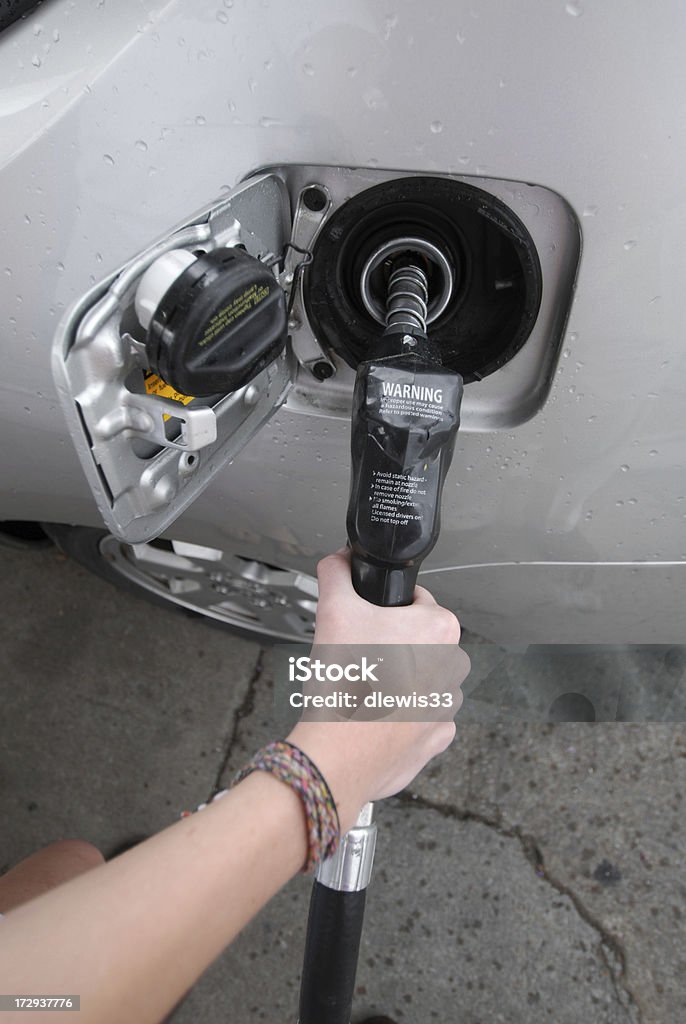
(138, 115)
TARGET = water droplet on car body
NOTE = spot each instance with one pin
(374, 99)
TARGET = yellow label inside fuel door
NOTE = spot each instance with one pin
(154, 385)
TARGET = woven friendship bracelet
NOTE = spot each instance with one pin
(291, 765)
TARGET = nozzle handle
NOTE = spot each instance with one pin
(384, 585)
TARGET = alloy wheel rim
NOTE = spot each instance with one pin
(240, 592)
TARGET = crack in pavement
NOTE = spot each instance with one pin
(244, 709)
(612, 952)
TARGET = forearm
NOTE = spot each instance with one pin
(132, 936)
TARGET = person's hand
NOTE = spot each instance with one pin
(343, 617)
(364, 760)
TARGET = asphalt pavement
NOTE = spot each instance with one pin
(534, 873)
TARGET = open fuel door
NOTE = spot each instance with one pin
(169, 367)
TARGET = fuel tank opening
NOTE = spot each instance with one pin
(483, 271)
(377, 271)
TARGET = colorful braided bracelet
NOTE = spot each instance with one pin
(291, 765)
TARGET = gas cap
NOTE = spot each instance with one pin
(214, 319)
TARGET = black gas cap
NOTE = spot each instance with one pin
(214, 320)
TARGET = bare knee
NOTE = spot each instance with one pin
(54, 864)
(73, 856)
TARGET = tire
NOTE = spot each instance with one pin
(259, 601)
(23, 536)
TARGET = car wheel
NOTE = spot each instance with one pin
(267, 603)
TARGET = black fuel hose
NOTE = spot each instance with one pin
(334, 928)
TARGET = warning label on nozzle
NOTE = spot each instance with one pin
(395, 498)
(402, 399)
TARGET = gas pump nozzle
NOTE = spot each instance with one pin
(406, 413)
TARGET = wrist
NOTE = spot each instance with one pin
(281, 807)
(292, 766)
(339, 771)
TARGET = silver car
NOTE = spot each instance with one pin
(532, 153)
